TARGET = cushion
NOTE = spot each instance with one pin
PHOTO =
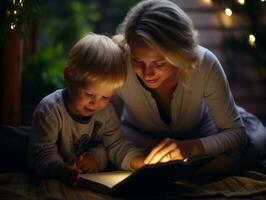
(13, 148)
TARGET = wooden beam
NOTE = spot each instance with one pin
(11, 80)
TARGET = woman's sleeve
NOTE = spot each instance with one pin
(231, 132)
(42, 151)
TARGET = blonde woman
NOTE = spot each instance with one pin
(176, 101)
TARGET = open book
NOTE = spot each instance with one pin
(149, 176)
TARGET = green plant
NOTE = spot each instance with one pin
(43, 74)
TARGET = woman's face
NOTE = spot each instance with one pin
(150, 65)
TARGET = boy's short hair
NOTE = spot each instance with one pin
(96, 58)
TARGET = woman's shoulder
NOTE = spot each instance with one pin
(205, 55)
(207, 60)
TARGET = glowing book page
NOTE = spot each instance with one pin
(108, 179)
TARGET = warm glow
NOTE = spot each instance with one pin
(262, 0)
(252, 40)
(209, 2)
(242, 2)
(228, 12)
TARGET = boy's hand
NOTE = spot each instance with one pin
(137, 162)
(87, 163)
(69, 173)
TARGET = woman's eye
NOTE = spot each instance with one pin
(160, 64)
(138, 61)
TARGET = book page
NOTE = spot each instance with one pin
(108, 179)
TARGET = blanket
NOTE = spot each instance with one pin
(22, 186)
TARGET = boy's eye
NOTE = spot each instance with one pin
(90, 94)
(106, 98)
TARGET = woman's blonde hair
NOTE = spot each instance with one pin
(164, 26)
(95, 58)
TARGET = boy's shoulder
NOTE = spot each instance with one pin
(105, 113)
(52, 101)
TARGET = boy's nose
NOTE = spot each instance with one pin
(94, 102)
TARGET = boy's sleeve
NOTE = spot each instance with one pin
(117, 104)
(42, 152)
(120, 151)
(100, 155)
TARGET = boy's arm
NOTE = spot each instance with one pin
(100, 155)
(42, 152)
(117, 104)
(120, 151)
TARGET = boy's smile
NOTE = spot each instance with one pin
(85, 101)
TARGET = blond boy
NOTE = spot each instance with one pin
(75, 129)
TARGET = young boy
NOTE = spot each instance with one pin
(75, 130)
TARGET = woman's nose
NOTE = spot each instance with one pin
(148, 71)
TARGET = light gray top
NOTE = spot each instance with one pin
(56, 137)
(207, 111)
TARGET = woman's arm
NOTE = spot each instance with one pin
(231, 133)
(217, 94)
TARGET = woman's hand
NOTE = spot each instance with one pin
(169, 149)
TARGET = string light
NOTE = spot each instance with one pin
(228, 12)
(12, 25)
(242, 2)
(252, 40)
(14, 13)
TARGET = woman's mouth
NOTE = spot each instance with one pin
(151, 81)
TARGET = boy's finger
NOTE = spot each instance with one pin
(80, 158)
(72, 162)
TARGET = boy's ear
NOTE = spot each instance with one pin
(66, 74)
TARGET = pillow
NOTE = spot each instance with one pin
(13, 148)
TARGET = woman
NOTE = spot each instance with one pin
(176, 101)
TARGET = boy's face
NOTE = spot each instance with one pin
(87, 100)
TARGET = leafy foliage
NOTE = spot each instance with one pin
(43, 73)
(60, 24)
